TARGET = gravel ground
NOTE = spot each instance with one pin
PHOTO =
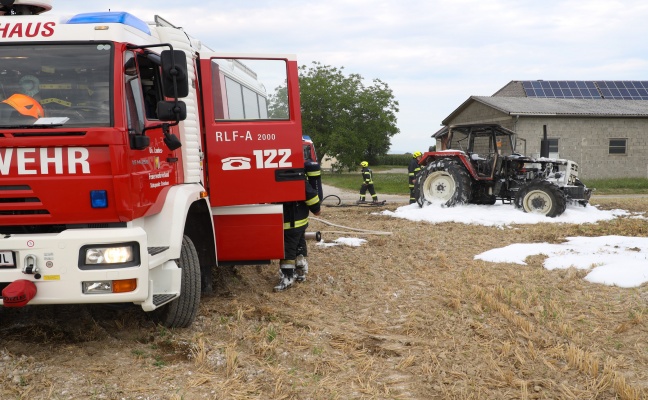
(347, 196)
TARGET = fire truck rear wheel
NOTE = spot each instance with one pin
(181, 312)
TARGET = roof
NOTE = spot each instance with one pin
(534, 106)
(617, 90)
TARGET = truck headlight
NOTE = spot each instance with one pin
(117, 255)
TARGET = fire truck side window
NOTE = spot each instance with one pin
(149, 72)
(133, 91)
(249, 89)
(143, 89)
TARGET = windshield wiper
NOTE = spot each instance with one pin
(52, 122)
(32, 126)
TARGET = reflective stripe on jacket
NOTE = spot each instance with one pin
(367, 175)
(295, 213)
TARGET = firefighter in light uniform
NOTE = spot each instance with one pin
(413, 169)
(295, 224)
(367, 183)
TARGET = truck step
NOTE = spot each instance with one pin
(159, 299)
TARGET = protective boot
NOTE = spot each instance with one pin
(301, 268)
(286, 276)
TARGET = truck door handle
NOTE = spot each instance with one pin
(291, 174)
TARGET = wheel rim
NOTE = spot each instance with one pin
(439, 185)
(537, 201)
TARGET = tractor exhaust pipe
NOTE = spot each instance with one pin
(544, 143)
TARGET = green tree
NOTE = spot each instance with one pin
(346, 119)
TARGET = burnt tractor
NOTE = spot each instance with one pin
(479, 165)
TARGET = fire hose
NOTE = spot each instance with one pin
(358, 230)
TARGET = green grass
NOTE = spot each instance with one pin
(618, 186)
(396, 183)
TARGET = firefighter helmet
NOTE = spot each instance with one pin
(364, 164)
(25, 105)
(417, 154)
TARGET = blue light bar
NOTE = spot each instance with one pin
(120, 17)
(98, 199)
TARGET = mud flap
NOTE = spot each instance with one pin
(164, 285)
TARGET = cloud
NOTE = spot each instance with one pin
(434, 54)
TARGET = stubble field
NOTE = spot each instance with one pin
(409, 315)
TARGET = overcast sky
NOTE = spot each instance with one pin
(432, 54)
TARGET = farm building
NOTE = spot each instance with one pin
(602, 125)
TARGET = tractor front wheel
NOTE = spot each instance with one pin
(541, 197)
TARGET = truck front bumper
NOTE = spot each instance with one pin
(56, 264)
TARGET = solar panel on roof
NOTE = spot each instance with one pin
(617, 90)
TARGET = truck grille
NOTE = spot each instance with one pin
(20, 200)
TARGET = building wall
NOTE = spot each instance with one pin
(586, 141)
(480, 113)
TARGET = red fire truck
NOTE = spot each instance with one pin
(134, 159)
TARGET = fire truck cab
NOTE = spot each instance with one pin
(133, 160)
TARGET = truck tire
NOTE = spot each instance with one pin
(444, 181)
(181, 312)
(541, 197)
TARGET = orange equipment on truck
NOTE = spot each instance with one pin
(154, 160)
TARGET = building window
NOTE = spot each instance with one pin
(553, 148)
(618, 146)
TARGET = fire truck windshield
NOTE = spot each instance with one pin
(67, 84)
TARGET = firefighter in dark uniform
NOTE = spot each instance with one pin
(295, 224)
(367, 183)
(413, 169)
(314, 177)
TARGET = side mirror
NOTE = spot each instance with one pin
(139, 142)
(171, 110)
(175, 79)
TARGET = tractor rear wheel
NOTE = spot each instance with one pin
(444, 181)
(541, 197)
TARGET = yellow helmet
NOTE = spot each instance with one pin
(417, 154)
(364, 164)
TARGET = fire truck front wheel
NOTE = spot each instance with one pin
(181, 312)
